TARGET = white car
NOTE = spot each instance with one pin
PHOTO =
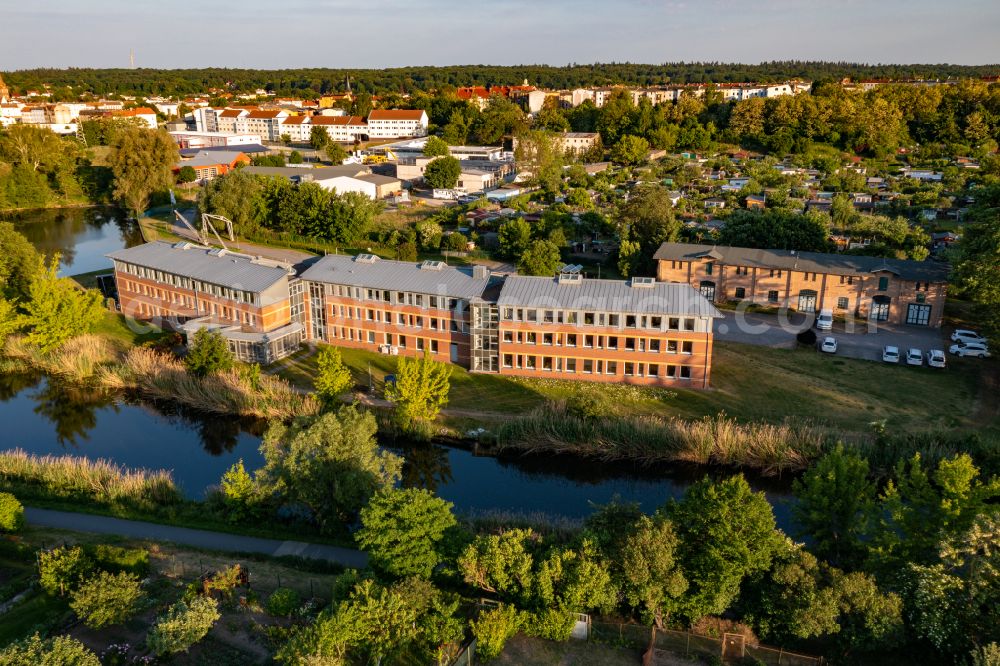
(824, 321)
(914, 356)
(935, 358)
(965, 335)
(829, 345)
(975, 349)
(890, 354)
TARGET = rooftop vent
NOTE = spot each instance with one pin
(432, 265)
(182, 245)
(365, 259)
(570, 278)
(219, 252)
(644, 282)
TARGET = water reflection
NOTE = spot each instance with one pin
(45, 418)
(71, 410)
(82, 236)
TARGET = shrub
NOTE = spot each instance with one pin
(208, 353)
(61, 569)
(283, 602)
(187, 174)
(11, 513)
(58, 651)
(106, 599)
(553, 624)
(183, 625)
(117, 559)
(493, 628)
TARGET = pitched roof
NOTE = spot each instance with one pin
(139, 111)
(295, 120)
(232, 113)
(215, 157)
(817, 262)
(220, 267)
(396, 275)
(608, 295)
(338, 120)
(265, 113)
(396, 114)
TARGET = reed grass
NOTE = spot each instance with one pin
(161, 376)
(89, 481)
(79, 359)
(718, 440)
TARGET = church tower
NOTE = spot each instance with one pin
(4, 91)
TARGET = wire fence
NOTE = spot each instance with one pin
(689, 644)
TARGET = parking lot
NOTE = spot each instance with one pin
(855, 339)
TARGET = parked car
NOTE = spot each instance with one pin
(975, 349)
(914, 356)
(824, 321)
(965, 335)
(935, 358)
(890, 354)
(829, 345)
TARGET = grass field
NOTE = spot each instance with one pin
(749, 383)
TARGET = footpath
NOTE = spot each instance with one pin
(221, 541)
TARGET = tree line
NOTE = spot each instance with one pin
(310, 82)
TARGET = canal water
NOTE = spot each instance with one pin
(44, 418)
(82, 236)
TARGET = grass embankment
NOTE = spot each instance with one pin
(75, 483)
(108, 359)
(783, 407)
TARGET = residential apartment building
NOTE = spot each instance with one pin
(883, 290)
(395, 123)
(393, 307)
(266, 123)
(342, 128)
(256, 305)
(577, 142)
(569, 327)
(298, 128)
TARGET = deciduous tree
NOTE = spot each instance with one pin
(57, 309)
(332, 376)
(208, 353)
(184, 624)
(442, 173)
(402, 528)
(106, 599)
(420, 391)
(141, 161)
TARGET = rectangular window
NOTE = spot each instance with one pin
(571, 340)
(611, 368)
(674, 324)
(508, 360)
(629, 344)
(689, 324)
(653, 370)
(434, 346)
(654, 345)
(671, 346)
(671, 371)
(547, 363)
(546, 338)
(883, 283)
(371, 337)
(630, 321)
(685, 372)
(571, 365)
(687, 347)
(709, 267)
(612, 342)
(629, 369)
(772, 296)
(741, 292)
(842, 303)
(588, 366)
(508, 336)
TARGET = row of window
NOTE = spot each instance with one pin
(188, 302)
(181, 282)
(590, 366)
(388, 339)
(654, 345)
(401, 319)
(593, 318)
(394, 297)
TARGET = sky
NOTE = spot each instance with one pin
(270, 34)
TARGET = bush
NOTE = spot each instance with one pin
(11, 513)
(553, 624)
(61, 569)
(208, 353)
(283, 602)
(493, 628)
(58, 651)
(117, 559)
(187, 174)
(183, 625)
(107, 599)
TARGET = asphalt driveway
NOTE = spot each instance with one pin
(855, 339)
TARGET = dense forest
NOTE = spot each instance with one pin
(312, 81)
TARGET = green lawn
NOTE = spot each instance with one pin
(748, 383)
(127, 331)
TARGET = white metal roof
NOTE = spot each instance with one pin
(605, 295)
(395, 275)
(227, 269)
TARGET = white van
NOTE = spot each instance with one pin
(824, 321)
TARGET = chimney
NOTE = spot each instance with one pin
(480, 272)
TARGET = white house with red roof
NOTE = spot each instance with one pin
(397, 123)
